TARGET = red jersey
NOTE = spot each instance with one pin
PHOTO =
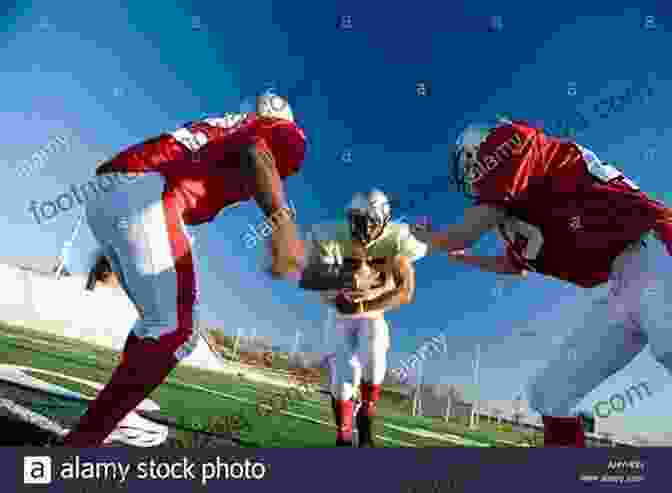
(201, 161)
(571, 215)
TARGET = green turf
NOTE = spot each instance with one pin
(310, 428)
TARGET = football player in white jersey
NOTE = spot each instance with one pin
(363, 267)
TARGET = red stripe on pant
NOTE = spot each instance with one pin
(184, 263)
(145, 363)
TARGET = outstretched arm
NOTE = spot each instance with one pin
(478, 220)
(258, 163)
(499, 265)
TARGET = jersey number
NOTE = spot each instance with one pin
(603, 171)
(195, 140)
(535, 240)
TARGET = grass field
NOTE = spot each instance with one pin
(195, 396)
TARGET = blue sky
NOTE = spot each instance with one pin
(106, 77)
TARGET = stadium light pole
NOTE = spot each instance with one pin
(417, 400)
(476, 367)
(68, 245)
(328, 324)
(295, 350)
(421, 377)
(297, 340)
(517, 408)
(253, 336)
(236, 343)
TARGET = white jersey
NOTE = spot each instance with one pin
(331, 243)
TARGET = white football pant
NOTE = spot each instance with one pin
(361, 354)
(636, 312)
(142, 233)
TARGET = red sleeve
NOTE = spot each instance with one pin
(507, 159)
(283, 139)
(287, 142)
(222, 142)
(212, 146)
(156, 153)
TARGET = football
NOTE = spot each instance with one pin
(366, 277)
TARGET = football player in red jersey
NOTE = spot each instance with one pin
(182, 179)
(565, 214)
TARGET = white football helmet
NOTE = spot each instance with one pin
(268, 104)
(368, 215)
(465, 155)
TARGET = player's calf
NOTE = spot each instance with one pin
(370, 395)
(144, 366)
(343, 417)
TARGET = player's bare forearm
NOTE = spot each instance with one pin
(478, 220)
(260, 167)
(402, 294)
(499, 265)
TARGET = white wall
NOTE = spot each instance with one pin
(65, 308)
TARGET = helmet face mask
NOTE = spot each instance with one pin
(368, 215)
(273, 106)
(268, 104)
(465, 164)
(464, 170)
(364, 228)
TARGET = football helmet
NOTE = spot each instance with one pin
(268, 104)
(368, 215)
(465, 156)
